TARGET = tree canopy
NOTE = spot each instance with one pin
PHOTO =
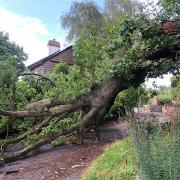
(10, 49)
(12, 58)
(116, 8)
(83, 16)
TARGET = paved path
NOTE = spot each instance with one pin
(67, 162)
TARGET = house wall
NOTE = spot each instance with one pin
(64, 56)
(38, 70)
(48, 66)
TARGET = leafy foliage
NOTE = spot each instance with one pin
(25, 93)
(12, 60)
(89, 56)
(164, 95)
(69, 85)
(116, 8)
(170, 9)
(8, 76)
(58, 142)
(8, 49)
(4, 122)
(136, 36)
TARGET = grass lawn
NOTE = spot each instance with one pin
(117, 162)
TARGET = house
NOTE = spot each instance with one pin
(56, 55)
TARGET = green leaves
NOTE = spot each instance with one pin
(68, 86)
(83, 17)
(24, 93)
(8, 71)
(170, 9)
(4, 122)
(12, 60)
(175, 84)
(10, 49)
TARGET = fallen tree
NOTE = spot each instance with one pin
(96, 103)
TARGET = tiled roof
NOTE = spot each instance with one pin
(42, 61)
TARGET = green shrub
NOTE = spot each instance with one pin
(164, 99)
(20, 125)
(175, 88)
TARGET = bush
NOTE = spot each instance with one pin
(127, 100)
(163, 99)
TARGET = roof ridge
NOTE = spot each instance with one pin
(43, 60)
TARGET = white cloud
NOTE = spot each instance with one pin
(165, 81)
(30, 33)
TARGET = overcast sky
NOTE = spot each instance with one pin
(31, 23)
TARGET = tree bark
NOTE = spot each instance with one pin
(52, 112)
(14, 103)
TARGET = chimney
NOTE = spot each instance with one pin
(53, 46)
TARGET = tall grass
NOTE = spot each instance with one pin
(152, 151)
(158, 149)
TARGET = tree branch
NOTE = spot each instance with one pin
(39, 75)
(46, 103)
(52, 112)
(31, 131)
(12, 157)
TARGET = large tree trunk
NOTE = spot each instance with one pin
(97, 102)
